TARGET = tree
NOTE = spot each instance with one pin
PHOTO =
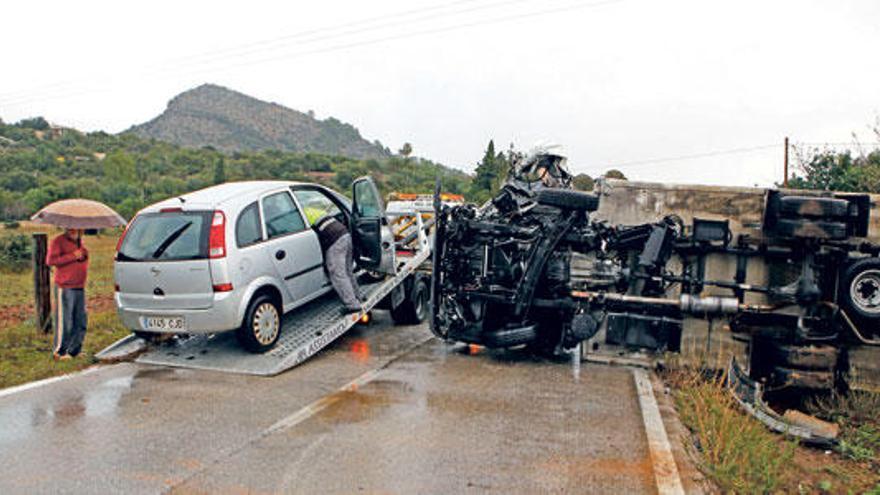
(119, 166)
(615, 174)
(220, 171)
(583, 182)
(830, 170)
(486, 169)
(405, 150)
(36, 123)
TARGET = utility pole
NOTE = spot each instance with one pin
(785, 177)
(42, 293)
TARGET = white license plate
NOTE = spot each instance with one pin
(164, 323)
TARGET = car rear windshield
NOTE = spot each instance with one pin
(167, 236)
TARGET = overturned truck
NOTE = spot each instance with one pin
(792, 277)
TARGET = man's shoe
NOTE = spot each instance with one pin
(347, 310)
(64, 357)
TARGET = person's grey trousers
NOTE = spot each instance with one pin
(339, 260)
(70, 320)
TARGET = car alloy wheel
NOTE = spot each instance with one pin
(266, 323)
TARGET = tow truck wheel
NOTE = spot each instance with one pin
(414, 309)
(262, 325)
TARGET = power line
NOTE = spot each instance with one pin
(707, 154)
(72, 92)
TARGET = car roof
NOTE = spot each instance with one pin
(214, 196)
(222, 193)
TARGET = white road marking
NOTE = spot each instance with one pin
(320, 404)
(48, 381)
(665, 470)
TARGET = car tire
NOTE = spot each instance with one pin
(414, 309)
(261, 327)
(860, 290)
(567, 199)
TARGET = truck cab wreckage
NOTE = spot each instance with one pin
(538, 266)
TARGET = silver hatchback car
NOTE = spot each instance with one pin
(237, 256)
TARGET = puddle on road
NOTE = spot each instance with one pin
(354, 406)
(19, 420)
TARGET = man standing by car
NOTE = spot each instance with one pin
(338, 259)
(71, 261)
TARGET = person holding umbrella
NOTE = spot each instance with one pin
(71, 262)
(70, 258)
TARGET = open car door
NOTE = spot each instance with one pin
(371, 236)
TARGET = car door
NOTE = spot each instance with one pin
(292, 246)
(371, 236)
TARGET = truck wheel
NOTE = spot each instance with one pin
(860, 289)
(818, 229)
(568, 199)
(813, 207)
(414, 309)
(511, 337)
(262, 325)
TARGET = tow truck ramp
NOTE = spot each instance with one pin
(305, 331)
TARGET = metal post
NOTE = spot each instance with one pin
(785, 178)
(42, 293)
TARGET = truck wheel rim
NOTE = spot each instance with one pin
(865, 291)
(266, 323)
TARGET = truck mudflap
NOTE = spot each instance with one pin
(749, 394)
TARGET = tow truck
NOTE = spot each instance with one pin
(307, 330)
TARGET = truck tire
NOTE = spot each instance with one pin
(813, 207)
(821, 358)
(261, 327)
(860, 290)
(818, 229)
(414, 308)
(567, 199)
(511, 337)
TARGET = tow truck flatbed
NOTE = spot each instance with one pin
(305, 331)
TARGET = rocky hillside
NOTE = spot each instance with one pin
(227, 120)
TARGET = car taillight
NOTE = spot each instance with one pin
(217, 237)
(222, 287)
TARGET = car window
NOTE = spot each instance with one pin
(166, 236)
(247, 228)
(366, 202)
(281, 215)
(315, 204)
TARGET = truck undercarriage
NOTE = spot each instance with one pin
(531, 267)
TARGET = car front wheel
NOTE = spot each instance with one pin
(261, 327)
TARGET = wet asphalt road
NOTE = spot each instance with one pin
(424, 417)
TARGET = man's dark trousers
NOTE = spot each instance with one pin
(70, 321)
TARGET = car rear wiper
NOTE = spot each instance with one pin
(170, 239)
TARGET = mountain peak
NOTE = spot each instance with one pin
(213, 115)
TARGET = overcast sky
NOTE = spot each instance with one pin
(618, 83)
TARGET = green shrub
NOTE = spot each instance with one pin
(11, 225)
(15, 252)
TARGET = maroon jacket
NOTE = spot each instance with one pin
(70, 273)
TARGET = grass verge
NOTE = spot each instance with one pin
(25, 354)
(739, 455)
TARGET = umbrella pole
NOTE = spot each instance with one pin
(42, 288)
